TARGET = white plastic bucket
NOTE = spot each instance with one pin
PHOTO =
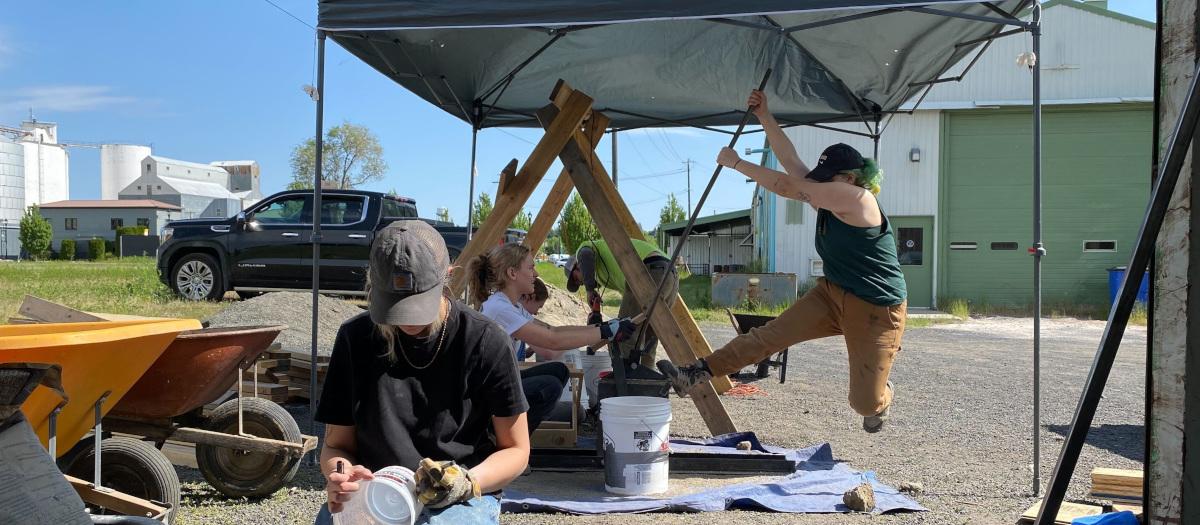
(386, 500)
(593, 366)
(636, 444)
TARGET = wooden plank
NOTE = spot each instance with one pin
(607, 210)
(51, 312)
(221, 439)
(1067, 513)
(305, 357)
(506, 178)
(115, 501)
(558, 133)
(561, 191)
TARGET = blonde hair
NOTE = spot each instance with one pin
(489, 271)
(869, 177)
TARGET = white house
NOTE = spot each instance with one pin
(958, 170)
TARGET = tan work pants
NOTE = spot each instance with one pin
(872, 334)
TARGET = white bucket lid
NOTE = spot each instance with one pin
(390, 502)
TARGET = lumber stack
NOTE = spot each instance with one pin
(1117, 484)
(1066, 513)
(300, 371)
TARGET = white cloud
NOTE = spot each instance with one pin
(66, 98)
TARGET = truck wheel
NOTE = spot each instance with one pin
(238, 473)
(197, 277)
(133, 467)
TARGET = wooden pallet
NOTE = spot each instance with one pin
(1122, 485)
(1066, 513)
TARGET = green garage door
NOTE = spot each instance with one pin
(1095, 175)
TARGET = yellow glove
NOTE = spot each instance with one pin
(444, 483)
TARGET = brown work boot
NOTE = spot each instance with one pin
(873, 424)
(685, 378)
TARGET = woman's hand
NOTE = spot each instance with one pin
(758, 104)
(340, 487)
(728, 158)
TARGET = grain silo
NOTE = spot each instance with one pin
(12, 196)
(120, 164)
(46, 164)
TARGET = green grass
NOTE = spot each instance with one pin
(119, 286)
(963, 309)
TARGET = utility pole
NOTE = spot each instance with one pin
(687, 164)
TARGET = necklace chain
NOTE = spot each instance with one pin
(436, 351)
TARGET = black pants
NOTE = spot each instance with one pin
(543, 385)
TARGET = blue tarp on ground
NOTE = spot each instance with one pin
(816, 487)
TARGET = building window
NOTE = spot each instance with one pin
(71, 223)
(159, 187)
(963, 246)
(143, 222)
(115, 223)
(1099, 246)
(139, 187)
(1004, 245)
(910, 247)
(793, 212)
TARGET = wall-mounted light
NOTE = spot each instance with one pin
(915, 155)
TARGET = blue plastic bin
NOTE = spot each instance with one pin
(1116, 275)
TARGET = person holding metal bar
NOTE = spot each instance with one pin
(424, 382)
(499, 279)
(593, 266)
(862, 296)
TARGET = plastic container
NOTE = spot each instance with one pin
(636, 444)
(593, 366)
(1116, 275)
(388, 499)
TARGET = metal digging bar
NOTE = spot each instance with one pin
(1118, 317)
(695, 215)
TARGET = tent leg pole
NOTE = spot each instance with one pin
(1118, 317)
(318, 177)
(1038, 250)
(613, 135)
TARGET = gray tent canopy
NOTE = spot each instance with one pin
(674, 63)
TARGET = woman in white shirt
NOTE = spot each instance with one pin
(498, 280)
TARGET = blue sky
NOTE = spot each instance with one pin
(221, 80)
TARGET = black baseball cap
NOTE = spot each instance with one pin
(836, 159)
(408, 272)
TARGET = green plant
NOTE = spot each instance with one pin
(957, 307)
(351, 157)
(131, 230)
(35, 233)
(66, 250)
(805, 286)
(110, 247)
(757, 266)
(576, 225)
(96, 249)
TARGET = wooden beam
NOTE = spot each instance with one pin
(558, 133)
(683, 316)
(506, 176)
(612, 218)
(116, 501)
(561, 191)
(45, 311)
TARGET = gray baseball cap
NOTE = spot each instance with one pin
(408, 272)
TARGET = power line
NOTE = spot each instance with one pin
(506, 132)
(654, 175)
(286, 12)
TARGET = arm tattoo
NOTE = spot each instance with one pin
(803, 197)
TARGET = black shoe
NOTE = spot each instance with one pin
(684, 379)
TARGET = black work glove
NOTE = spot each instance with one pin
(618, 330)
(595, 318)
(444, 483)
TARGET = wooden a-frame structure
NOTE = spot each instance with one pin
(572, 132)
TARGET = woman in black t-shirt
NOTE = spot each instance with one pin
(421, 376)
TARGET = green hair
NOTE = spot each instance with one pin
(869, 176)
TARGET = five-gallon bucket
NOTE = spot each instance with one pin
(593, 366)
(636, 444)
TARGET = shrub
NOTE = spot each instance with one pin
(35, 233)
(131, 230)
(66, 250)
(96, 249)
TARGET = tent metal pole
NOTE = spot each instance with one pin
(471, 186)
(695, 215)
(613, 136)
(875, 136)
(318, 175)
(1118, 317)
(1038, 251)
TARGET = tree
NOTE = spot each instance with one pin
(671, 212)
(523, 221)
(576, 225)
(352, 157)
(553, 244)
(443, 214)
(483, 209)
(35, 233)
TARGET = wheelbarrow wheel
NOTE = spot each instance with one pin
(764, 368)
(133, 467)
(238, 473)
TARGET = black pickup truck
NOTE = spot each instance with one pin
(268, 247)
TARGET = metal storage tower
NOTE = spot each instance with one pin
(12, 196)
(120, 164)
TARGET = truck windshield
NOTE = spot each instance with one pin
(395, 208)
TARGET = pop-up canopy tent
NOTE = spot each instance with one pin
(680, 63)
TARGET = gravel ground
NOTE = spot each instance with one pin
(961, 426)
(293, 309)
